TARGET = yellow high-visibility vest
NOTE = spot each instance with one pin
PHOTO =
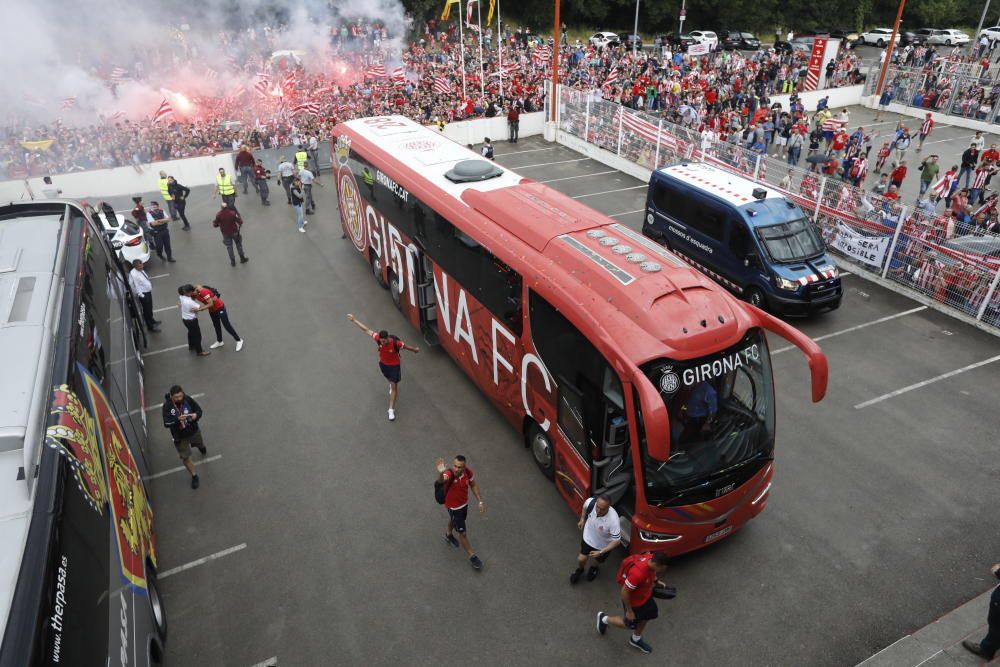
(301, 158)
(225, 184)
(165, 190)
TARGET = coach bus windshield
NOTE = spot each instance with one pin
(721, 411)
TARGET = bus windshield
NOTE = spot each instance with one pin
(721, 411)
(791, 241)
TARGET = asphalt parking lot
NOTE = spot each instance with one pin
(314, 539)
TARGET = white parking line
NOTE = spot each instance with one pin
(855, 328)
(570, 178)
(618, 215)
(179, 468)
(529, 150)
(159, 275)
(924, 383)
(270, 662)
(546, 164)
(939, 141)
(160, 310)
(160, 405)
(594, 194)
(201, 561)
(169, 349)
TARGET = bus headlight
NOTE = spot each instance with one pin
(789, 285)
(649, 536)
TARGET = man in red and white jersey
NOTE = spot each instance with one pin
(457, 481)
(638, 576)
(389, 347)
(925, 130)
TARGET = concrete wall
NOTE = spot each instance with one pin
(473, 131)
(839, 97)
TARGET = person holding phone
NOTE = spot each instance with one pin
(181, 415)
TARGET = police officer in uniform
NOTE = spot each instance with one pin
(369, 179)
(301, 157)
(225, 188)
(180, 194)
(161, 234)
(165, 193)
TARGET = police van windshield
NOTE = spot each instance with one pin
(791, 241)
(721, 421)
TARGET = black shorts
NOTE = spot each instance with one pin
(647, 611)
(585, 550)
(458, 518)
(392, 373)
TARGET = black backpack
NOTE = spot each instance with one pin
(216, 293)
(441, 490)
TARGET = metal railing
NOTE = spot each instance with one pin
(966, 92)
(952, 264)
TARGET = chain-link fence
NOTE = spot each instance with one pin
(968, 91)
(948, 259)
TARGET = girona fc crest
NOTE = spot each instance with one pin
(352, 212)
(74, 436)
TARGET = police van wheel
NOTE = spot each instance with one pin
(755, 297)
(376, 268)
(394, 290)
(156, 605)
(542, 450)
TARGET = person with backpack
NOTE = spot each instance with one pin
(451, 489)
(601, 535)
(212, 298)
(487, 149)
(637, 576)
(389, 347)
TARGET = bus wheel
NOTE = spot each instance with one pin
(394, 290)
(376, 268)
(755, 297)
(542, 451)
(156, 605)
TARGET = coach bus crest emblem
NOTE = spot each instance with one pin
(74, 436)
(343, 149)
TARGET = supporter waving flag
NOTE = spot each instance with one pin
(442, 85)
(376, 71)
(164, 111)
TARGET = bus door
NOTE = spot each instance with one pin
(426, 297)
(612, 467)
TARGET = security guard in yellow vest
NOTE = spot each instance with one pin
(301, 158)
(224, 187)
(165, 193)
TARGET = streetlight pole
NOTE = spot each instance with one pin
(635, 31)
(680, 29)
(974, 42)
(554, 93)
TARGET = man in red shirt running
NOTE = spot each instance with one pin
(389, 347)
(637, 599)
(458, 480)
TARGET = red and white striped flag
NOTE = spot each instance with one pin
(468, 13)
(116, 116)
(164, 111)
(507, 70)
(289, 81)
(263, 85)
(308, 108)
(442, 85)
(118, 74)
(68, 102)
(541, 55)
(612, 77)
(398, 75)
(238, 91)
(233, 62)
(211, 74)
(375, 71)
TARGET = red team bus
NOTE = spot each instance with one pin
(626, 372)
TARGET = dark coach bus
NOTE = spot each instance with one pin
(77, 551)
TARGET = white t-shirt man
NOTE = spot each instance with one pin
(600, 531)
(189, 308)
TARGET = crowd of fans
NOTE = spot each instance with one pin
(346, 82)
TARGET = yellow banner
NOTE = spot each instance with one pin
(447, 8)
(42, 145)
(489, 16)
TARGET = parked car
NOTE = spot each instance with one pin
(948, 37)
(626, 39)
(735, 39)
(675, 41)
(801, 45)
(921, 35)
(990, 33)
(705, 36)
(601, 39)
(848, 36)
(876, 37)
(125, 236)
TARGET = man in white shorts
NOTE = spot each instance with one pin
(601, 535)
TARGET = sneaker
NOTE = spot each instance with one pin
(392, 415)
(232, 263)
(216, 344)
(204, 354)
(450, 539)
(302, 229)
(641, 645)
(239, 345)
(602, 625)
(195, 482)
(592, 573)
(171, 260)
(475, 562)
(973, 647)
(203, 449)
(305, 222)
(244, 260)
(575, 577)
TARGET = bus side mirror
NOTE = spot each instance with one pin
(819, 369)
(654, 417)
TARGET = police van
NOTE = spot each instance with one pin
(755, 242)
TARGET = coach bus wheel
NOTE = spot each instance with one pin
(156, 604)
(376, 269)
(394, 290)
(541, 450)
(755, 297)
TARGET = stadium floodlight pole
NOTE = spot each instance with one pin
(479, 38)
(888, 50)
(635, 30)
(974, 42)
(554, 93)
(461, 43)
